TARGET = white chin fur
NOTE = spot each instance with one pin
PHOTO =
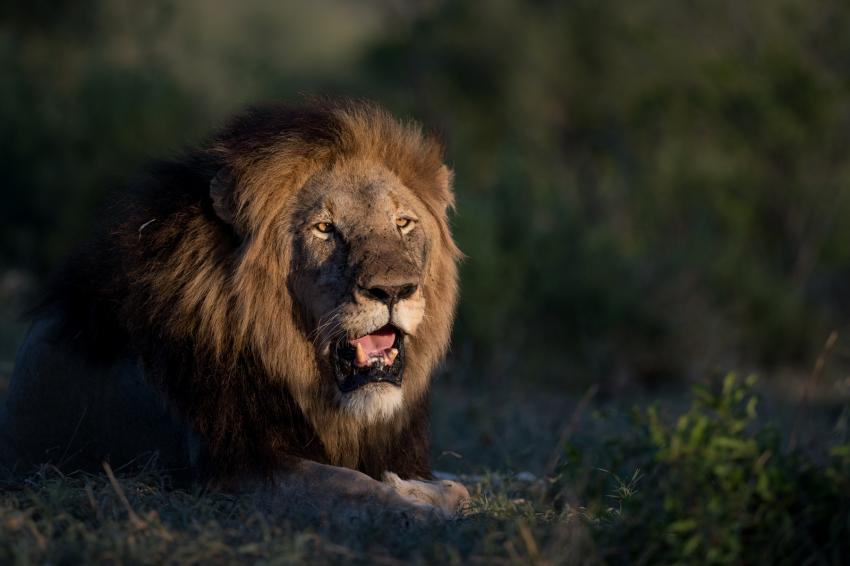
(373, 402)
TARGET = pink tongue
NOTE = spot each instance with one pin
(375, 343)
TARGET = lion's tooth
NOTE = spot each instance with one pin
(361, 355)
(392, 356)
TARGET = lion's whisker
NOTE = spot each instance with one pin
(332, 326)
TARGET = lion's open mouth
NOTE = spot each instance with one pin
(377, 357)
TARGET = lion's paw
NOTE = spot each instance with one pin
(449, 498)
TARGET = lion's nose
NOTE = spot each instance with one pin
(389, 294)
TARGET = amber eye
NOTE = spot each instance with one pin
(404, 223)
(322, 230)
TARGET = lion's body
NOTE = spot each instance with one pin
(96, 412)
(196, 322)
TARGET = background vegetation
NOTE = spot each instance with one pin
(645, 190)
(649, 193)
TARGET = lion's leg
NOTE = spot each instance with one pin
(313, 491)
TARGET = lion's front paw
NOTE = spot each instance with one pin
(450, 498)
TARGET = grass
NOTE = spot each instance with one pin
(85, 519)
(710, 483)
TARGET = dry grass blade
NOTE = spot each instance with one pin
(134, 519)
(571, 427)
(820, 363)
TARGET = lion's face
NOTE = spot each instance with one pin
(362, 242)
(338, 273)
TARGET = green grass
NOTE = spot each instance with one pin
(711, 483)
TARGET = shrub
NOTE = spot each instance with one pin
(712, 486)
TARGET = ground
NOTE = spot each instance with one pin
(137, 518)
(553, 482)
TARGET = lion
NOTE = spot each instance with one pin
(263, 313)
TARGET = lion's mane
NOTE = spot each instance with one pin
(206, 308)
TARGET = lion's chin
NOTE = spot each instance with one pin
(373, 402)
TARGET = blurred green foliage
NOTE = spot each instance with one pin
(645, 190)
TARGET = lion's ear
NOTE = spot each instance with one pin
(221, 194)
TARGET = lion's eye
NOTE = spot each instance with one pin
(404, 224)
(323, 229)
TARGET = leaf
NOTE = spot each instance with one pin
(682, 526)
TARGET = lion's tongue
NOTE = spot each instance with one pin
(374, 345)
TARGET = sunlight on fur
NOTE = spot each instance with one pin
(372, 403)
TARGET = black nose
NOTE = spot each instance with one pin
(389, 294)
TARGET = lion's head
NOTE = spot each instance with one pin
(326, 255)
(362, 243)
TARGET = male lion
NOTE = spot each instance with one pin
(264, 312)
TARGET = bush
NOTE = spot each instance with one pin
(712, 486)
(645, 190)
